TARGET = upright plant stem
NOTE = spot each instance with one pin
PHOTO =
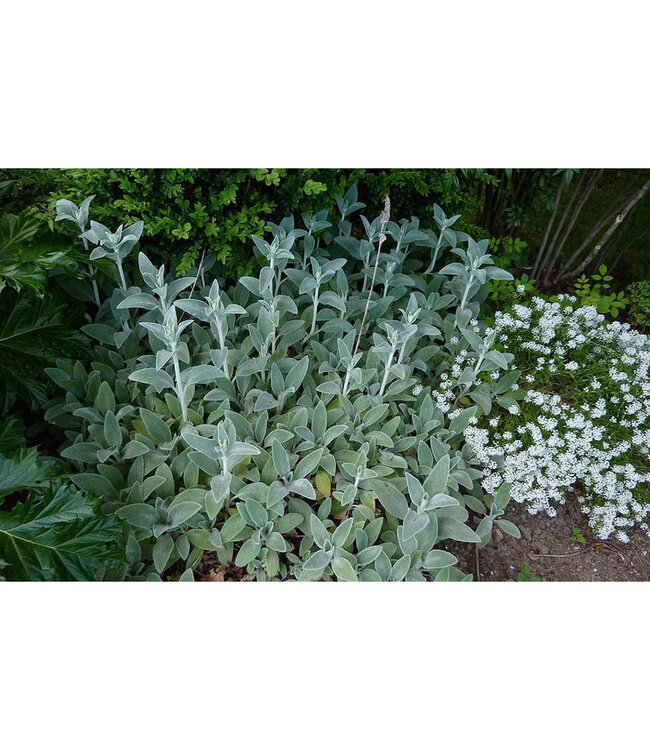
(385, 218)
(179, 386)
(386, 372)
(123, 285)
(91, 273)
(313, 319)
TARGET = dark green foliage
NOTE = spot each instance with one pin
(52, 531)
(25, 260)
(33, 334)
(57, 535)
(189, 212)
(639, 297)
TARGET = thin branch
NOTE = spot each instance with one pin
(549, 226)
(563, 218)
(565, 235)
(610, 231)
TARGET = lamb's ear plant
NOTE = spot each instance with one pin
(307, 422)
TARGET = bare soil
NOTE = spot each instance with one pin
(549, 548)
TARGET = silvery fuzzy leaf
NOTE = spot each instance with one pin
(281, 460)
(441, 500)
(499, 359)
(287, 523)
(303, 487)
(140, 515)
(161, 552)
(238, 451)
(181, 512)
(280, 434)
(498, 274)
(304, 433)
(437, 559)
(307, 285)
(248, 552)
(232, 527)
(329, 387)
(502, 496)
(156, 329)
(450, 528)
(194, 307)
(343, 570)
(508, 527)
(319, 421)
(318, 531)
(392, 460)
(204, 445)
(461, 421)
(400, 569)
(177, 286)
(368, 555)
(438, 478)
(199, 374)
(308, 464)
(415, 489)
(140, 299)
(112, 430)
(342, 533)
(266, 279)
(414, 523)
(297, 373)
(407, 546)
(374, 414)
(209, 465)
(252, 284)
(390, 497)
(368, 575)
(318, 561)
(256, 511)
(333, 432)
(162, 358)
(249, 366)
(276, 542)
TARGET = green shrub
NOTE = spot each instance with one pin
(639, 296)
(191, 212)
(286, 424)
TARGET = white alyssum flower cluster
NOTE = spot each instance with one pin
(598, 440)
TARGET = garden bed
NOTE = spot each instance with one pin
(548, 546)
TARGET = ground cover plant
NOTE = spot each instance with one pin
(286, 424)
(584, 420)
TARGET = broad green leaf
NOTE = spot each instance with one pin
(58, 535)
(156, 427)
(161, 552)
(450, 528)
(280, 457)
(343, 570)
(390, 497)
(141, 515)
